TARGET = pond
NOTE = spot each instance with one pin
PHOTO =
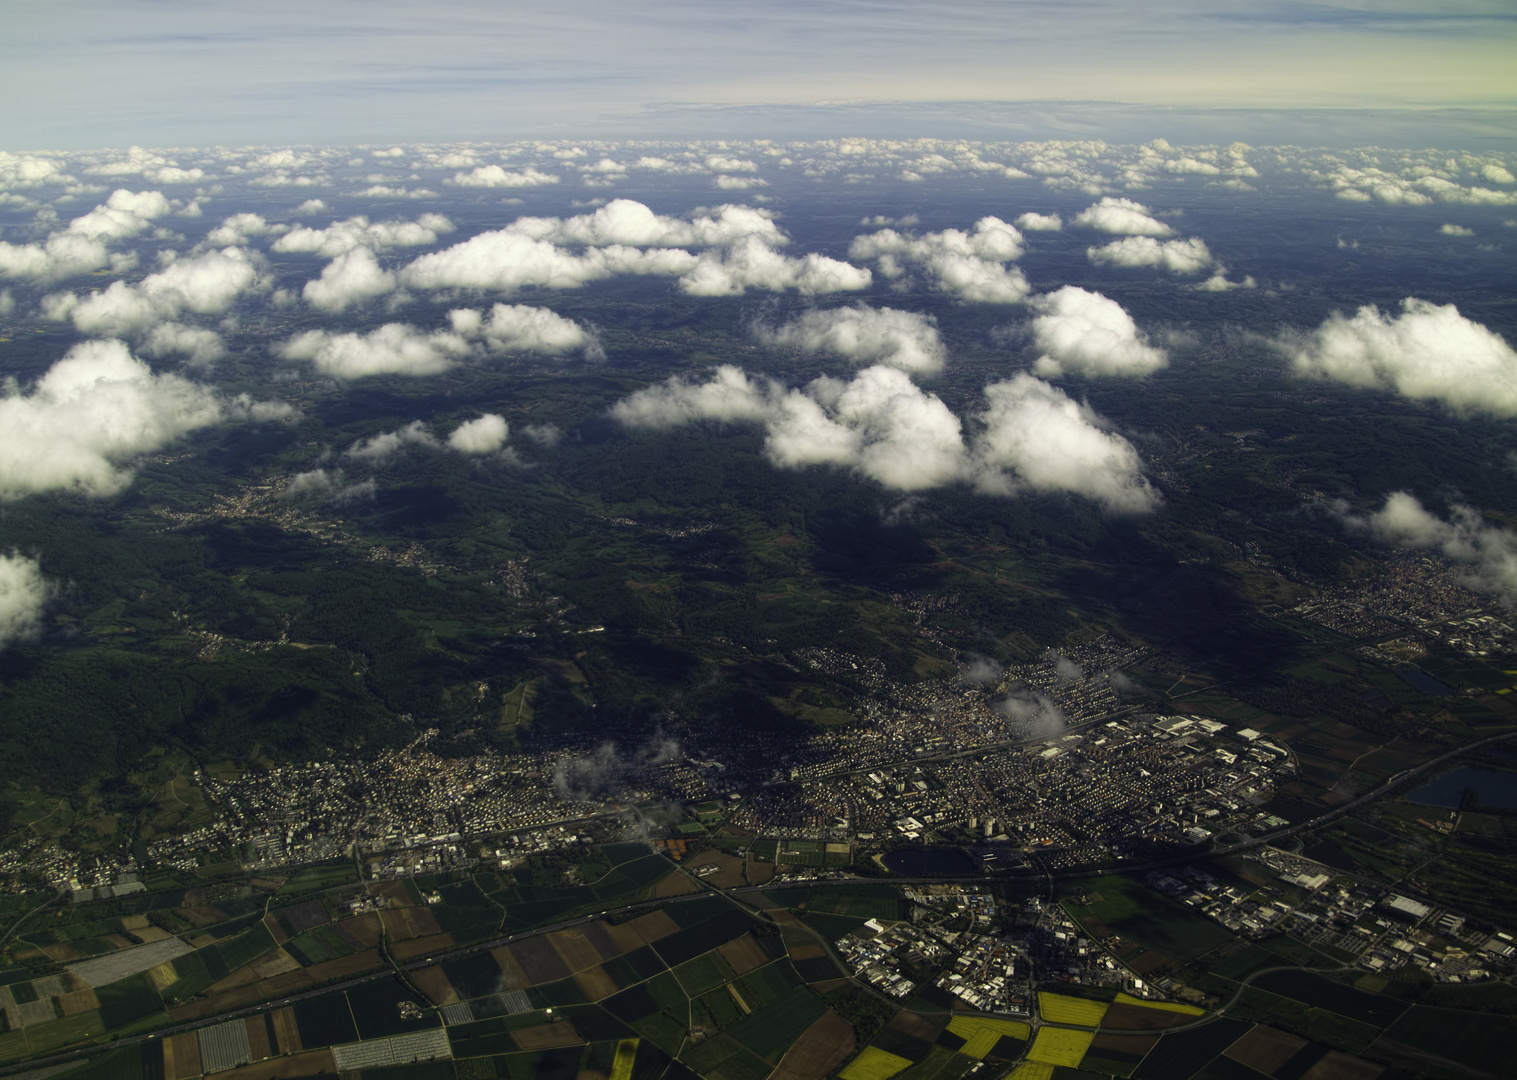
(931, 862)
(1497, 790)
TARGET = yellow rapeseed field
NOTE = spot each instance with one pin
(1167, 1006)
(1060, 1046)
(873, 1064)
(981, 1033)
(1033, 1070)
(1060, 1009)
(626, 1054)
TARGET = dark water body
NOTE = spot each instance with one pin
(1496, 789)
(927, 862)
(1421, 680)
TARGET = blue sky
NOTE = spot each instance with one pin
(83, 73)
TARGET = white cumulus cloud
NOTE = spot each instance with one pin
(93, 411)
(382, 446)
(24, 594)
(207, 284)
(1428, 352)
(1489, 550)
(863, 335)
(968, 265)
(1188, 256)
(483, 435)
(521, 328)
(83, 245)
(355, 232)
(1035, 436)
(1031, 222)
(1122, 216)
(1085, 333)
(493, 176)
(392, 349)
(350, 278)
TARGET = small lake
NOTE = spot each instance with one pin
(1496, 789)
(930, 862)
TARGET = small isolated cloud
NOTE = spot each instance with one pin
(393, 349)
(1031, 222)
(493, 176)
(1085, 333)
(1497, 174)
(739, 183)
(349, 279)
(1122, 216)
(980, 670)
(356, 232)
(94, 410)
(1219, 282)
(24, 593)
(521, 328)
(864, 335)
(1428, 352)
(199, 346)
(379, 447)
(632, 224)
(1035, 713)
(1456, 230)
(83, 245)
(207, 284)
(1035, 436)
(328, 485)
(311, 206)
(1489, 550)
(483, 435)
(235, 231)
(968, 265)
(750, 263)
(1188, 256)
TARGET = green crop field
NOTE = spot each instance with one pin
(770, 1031)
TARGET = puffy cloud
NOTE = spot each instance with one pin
(1455, 230)
(1086, 333)
(393, 349)
(504, 261)
(382, 446)
(1415, 186)
(1188, 256)
(1427, 352)
(82, 246)
(329, 485)
(521, 328)
(630, 223)
(483, 435)
(350, 278)
(1035, 436)
(881, 425)
(1218, 282)
(1466, 538)
(235, 230)
(722, 164)
(311, 206)
(863, 335)
(96, 408)
(344, 236)
(970, 266)
(1190, 165)
(739, 183)
(750, 263)
(729, 396)
(1497, 174)
(493, 176)
(1031, 222)
(1033, 712)
(197, 344)
(24, 593)
(207, 284)
(1122, 216)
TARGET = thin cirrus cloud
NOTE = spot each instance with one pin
(1428, 352)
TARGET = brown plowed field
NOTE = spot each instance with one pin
(823, 1047)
